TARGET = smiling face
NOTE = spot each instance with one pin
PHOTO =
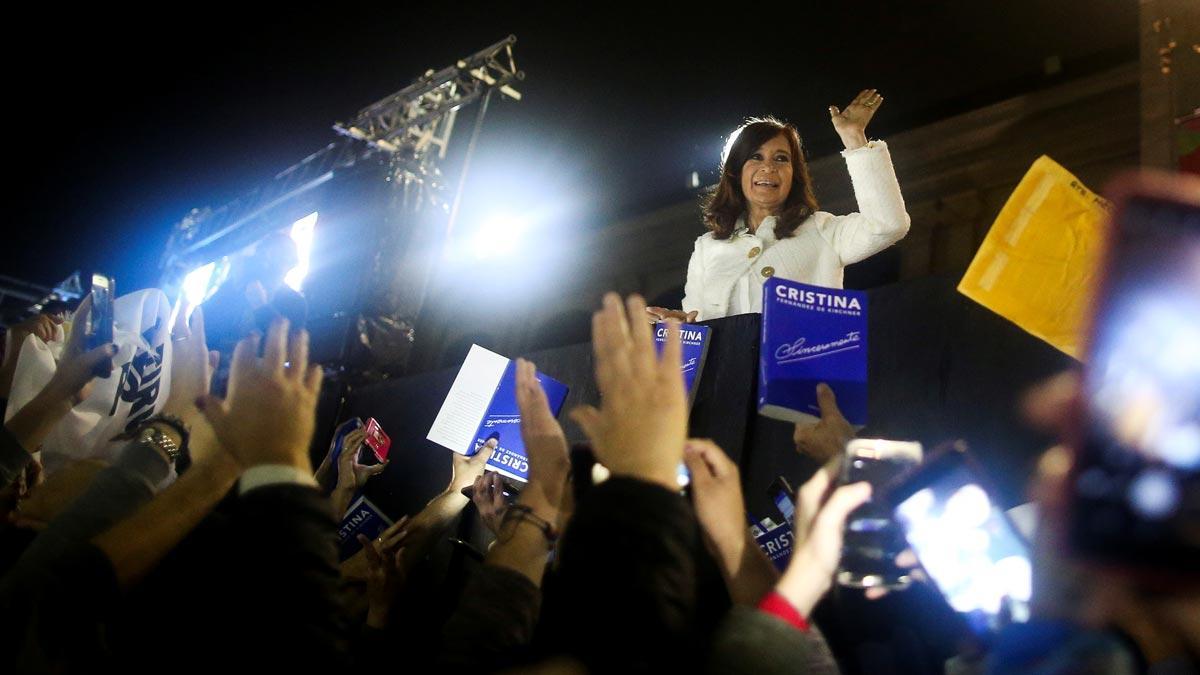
(767, 175)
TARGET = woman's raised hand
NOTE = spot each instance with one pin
(851, 123)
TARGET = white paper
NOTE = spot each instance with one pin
(468, 400)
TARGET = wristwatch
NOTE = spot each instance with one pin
(155, 438)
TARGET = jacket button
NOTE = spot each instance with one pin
(755, 251)
(768, 271)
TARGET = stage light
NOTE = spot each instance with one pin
(302, 234)
(198, 283)
(498, 237)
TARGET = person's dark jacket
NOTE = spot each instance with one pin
(267, 595)
(627, 576)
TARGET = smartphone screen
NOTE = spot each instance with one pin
(1136, 484)
(872, 538)
(784, 498)
(100, 321)
(966, 543)
(377, 441)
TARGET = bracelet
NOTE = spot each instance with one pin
(175, 423)
(523, 513)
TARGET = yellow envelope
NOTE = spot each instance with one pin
(1038, 265)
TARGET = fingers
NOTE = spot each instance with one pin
(497, 493)
(297, 361)
(809, 498)
(827, 402)
(713, 457)
(374, 559)
(843, 500)
(588, 419)
(692, 315)
(834, 111)
(479, 492)
(611, 341)
(669, 367)
(179, 328)
(275, 348)
(94, 360)
(701, 471)
(244, 361)
(217, 415)
(312, 381)
(196, 329)
(641, 336)
(79, 325)
(376, 469)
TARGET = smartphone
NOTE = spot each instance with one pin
(100, 321)
(872, 538)
(375, 445)
(1135, 484)
(783, 496)
(965, 542)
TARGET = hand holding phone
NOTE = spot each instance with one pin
(1135, 485)
(100, 319)
(873, 538)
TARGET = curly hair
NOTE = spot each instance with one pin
(726, 203)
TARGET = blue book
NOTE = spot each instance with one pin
(481, 414)
(694, 350)
(775, 541)
(812, 334)
(363, 518)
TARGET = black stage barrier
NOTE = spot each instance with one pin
(940, 367)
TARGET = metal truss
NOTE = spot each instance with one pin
(420, 117)
(413, 126)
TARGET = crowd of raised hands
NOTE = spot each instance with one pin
(234, 561)
(85, 576)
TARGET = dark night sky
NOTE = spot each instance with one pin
(123, 121)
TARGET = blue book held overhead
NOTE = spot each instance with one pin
(481, 413)
(812, 334)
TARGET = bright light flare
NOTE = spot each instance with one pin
(302, 235)
(196, 284)
(498, 237)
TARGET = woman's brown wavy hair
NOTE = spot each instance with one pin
(726, 203)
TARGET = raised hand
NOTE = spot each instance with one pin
(72, 379)
(642, 423)
(851, 123)
(826, 438)
(268, 416)
(545, 443)
(820, 519)
(192, 366)
(39, 325)
(716, 495)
